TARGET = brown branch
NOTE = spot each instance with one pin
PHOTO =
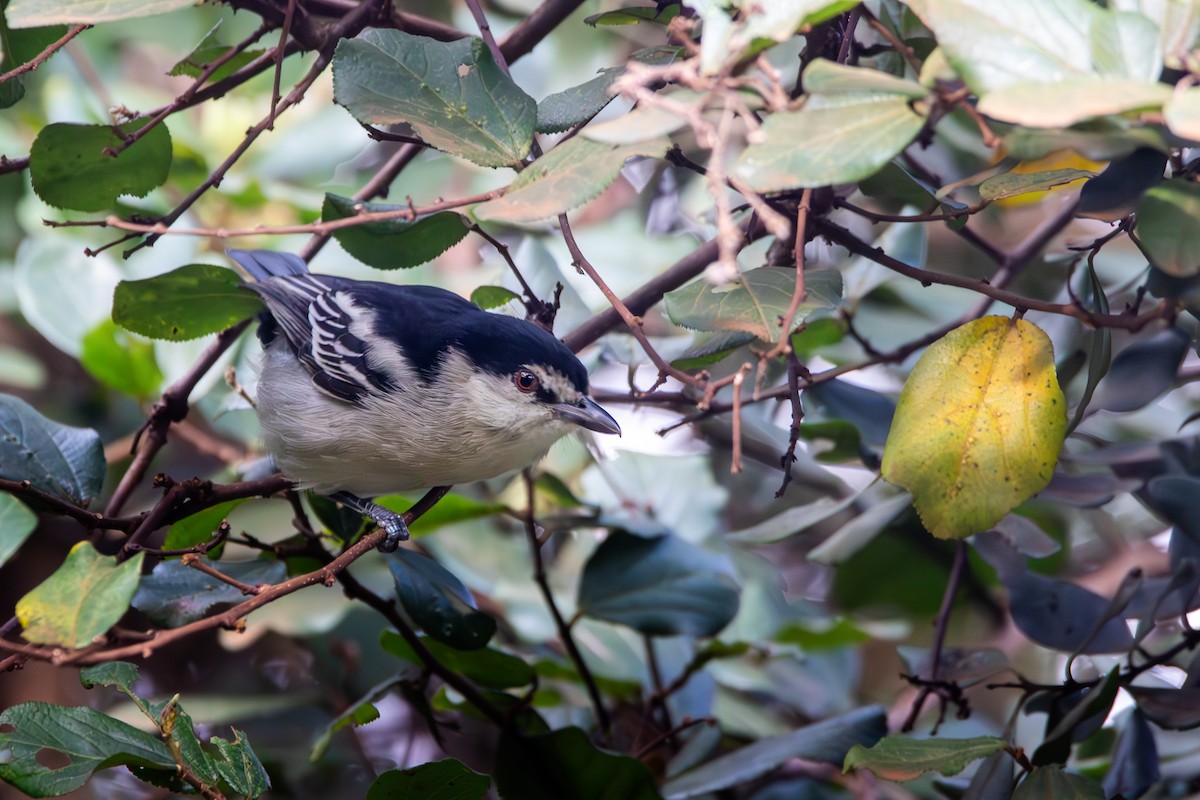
(320, 228)
(194, 561)
(931, 684)
(285, 29)
(564, 630)
(43, 56)
(535, 27)
(172, 407)
(651, 292)
(631, 321)
(56, 505)
(8, 165)
(327, 574)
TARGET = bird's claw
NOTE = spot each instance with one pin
(393, 525)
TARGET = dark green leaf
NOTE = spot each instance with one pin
(361, 712)
(451, 93)
(707, 350)
(568, 176)
(393, 244)
(185, 303)
(570, 107)
(487, 667)
(661, 586)
(86, 738)
(827, 741)
(903, 758)
(755, 303)
(208, 51)
(70, 169)
(16, 523)
(18, 48)
(842, 435)
(199, 527)
(568, 765)
(1143, 370)
(438, 602)
(121, 361)
(552, 486)
(239, 766)
(81, 600)
(1116, 191)
(1135, 760)
(448, 779)
(493, 296)
(58, 459)
(174, 594)
(119, 674)
(1055, 783)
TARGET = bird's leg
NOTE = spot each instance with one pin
(389, 521)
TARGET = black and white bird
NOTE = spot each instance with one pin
(369, 388)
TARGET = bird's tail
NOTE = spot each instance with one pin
(263, 264)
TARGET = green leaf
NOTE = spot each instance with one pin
(28, 13)
(58, 459)
(993, 46)
(175, 594)
(121, 361)
(493, 296)
(70, 169)
(448, 779)
(780, 19)
(1012, 184)
(807, 148)
(119, 674)
(645, 123)
(566, 109)
(707, 350)
(978, 426)
(393, 244)
(903, 758)
(87, 739)
(451, 93)
(16, 523)
(438, 602)
(661, 586)
(185, 303)
(635, 15)
(17, 50)
(450, 509)
(487, 667)
(199, 527)
(361, 713)
(239, 767)
(568, 176)
(1072, 100)
(755, 303)
(1125, 44)
(568, 765)
(1168, 227)
(81, 600)
(826, 741)
(1055, 783)
(208, 51)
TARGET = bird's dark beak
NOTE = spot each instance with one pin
(587, 413)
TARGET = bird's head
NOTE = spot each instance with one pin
(520, 375)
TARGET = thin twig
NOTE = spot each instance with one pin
(564, 630)
(43, 56)
(931, 684)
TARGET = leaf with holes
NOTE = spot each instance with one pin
(185, 303)
(81, 600)
(978, 426)
(452, 94)
(567, 177)
(755, 303)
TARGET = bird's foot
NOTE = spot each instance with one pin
(388, 521)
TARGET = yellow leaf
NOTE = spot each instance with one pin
(978, 426)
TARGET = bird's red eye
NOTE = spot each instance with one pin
(526, 381)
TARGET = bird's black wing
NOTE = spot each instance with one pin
(315, 313)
